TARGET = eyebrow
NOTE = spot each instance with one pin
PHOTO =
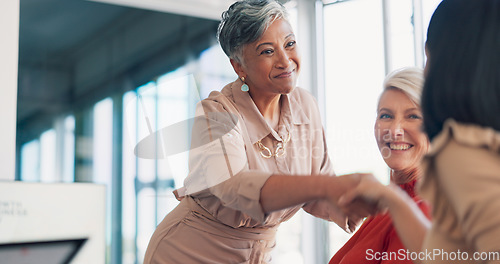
(262, 44)
(270, 43)
(412, 109)
(407, 110)
(385, 109)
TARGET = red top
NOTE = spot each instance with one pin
(376, 241)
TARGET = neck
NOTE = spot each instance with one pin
(405, 176)
(269, 107)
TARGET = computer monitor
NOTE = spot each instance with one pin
(41, 252)
(52, 212)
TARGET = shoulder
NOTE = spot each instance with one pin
(219, 106)
(465, 157)
(464, 148)
(219, 101)
(466, 143)
(465, 137)
(303, 100)
(459, 164)
(303, 96)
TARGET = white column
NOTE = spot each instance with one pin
(310, 35)
(419, 30)
(387, 35)
(9, 31)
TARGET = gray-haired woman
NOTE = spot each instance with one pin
(258, 151)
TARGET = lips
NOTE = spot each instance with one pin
(399, 146)
(284, 74)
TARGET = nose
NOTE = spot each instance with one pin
(397, 130)
(283, 59)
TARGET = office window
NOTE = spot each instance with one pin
(128, 178)
(357, 58)
(174, 107)
(213, 78)
(354, 70)
(428, 7)
(102, 156)
(401, 39)
(30, 162)
(48, 156)
(152, 174)
(146, 168)
(68, 155)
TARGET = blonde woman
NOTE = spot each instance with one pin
(402, 144)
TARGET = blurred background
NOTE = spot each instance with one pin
(97, 77)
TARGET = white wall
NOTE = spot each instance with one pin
(9, 32)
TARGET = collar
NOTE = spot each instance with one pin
(291, 113)
(409, 188)
(466, 134)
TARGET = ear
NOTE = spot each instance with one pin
(238, 68)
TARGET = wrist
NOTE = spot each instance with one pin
(334, 187)
(324, 187)
(392, 196)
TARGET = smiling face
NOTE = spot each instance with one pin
(398, 131)
(271, 64)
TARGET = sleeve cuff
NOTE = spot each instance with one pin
(249, 189)
(242, 192)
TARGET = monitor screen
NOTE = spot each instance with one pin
(41, 252)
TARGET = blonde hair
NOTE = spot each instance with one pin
(409, 80)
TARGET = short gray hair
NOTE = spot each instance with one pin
(409, 80)
(245, 21)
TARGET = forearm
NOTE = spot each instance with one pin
(283, 191)
(410, 222)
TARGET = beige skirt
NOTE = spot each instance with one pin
(189, 234)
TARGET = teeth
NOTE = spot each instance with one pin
(399, 146)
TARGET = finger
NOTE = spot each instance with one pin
(361, 208)
(354, 224)
(344, 226)
(367, 207)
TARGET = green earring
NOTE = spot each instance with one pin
(244, 87)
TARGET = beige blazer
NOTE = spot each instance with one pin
(220, 220)
(462, 183)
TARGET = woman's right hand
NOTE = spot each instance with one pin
(356, 211)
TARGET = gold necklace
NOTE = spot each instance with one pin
(280, 150)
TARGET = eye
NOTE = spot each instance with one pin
(266, 52)
(415, 116)
(291, 43)
(384, 116)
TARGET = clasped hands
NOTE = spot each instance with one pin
(360, 195)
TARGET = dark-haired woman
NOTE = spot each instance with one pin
(461, 109)
(461, 102)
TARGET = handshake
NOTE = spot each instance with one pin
(352, 197)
